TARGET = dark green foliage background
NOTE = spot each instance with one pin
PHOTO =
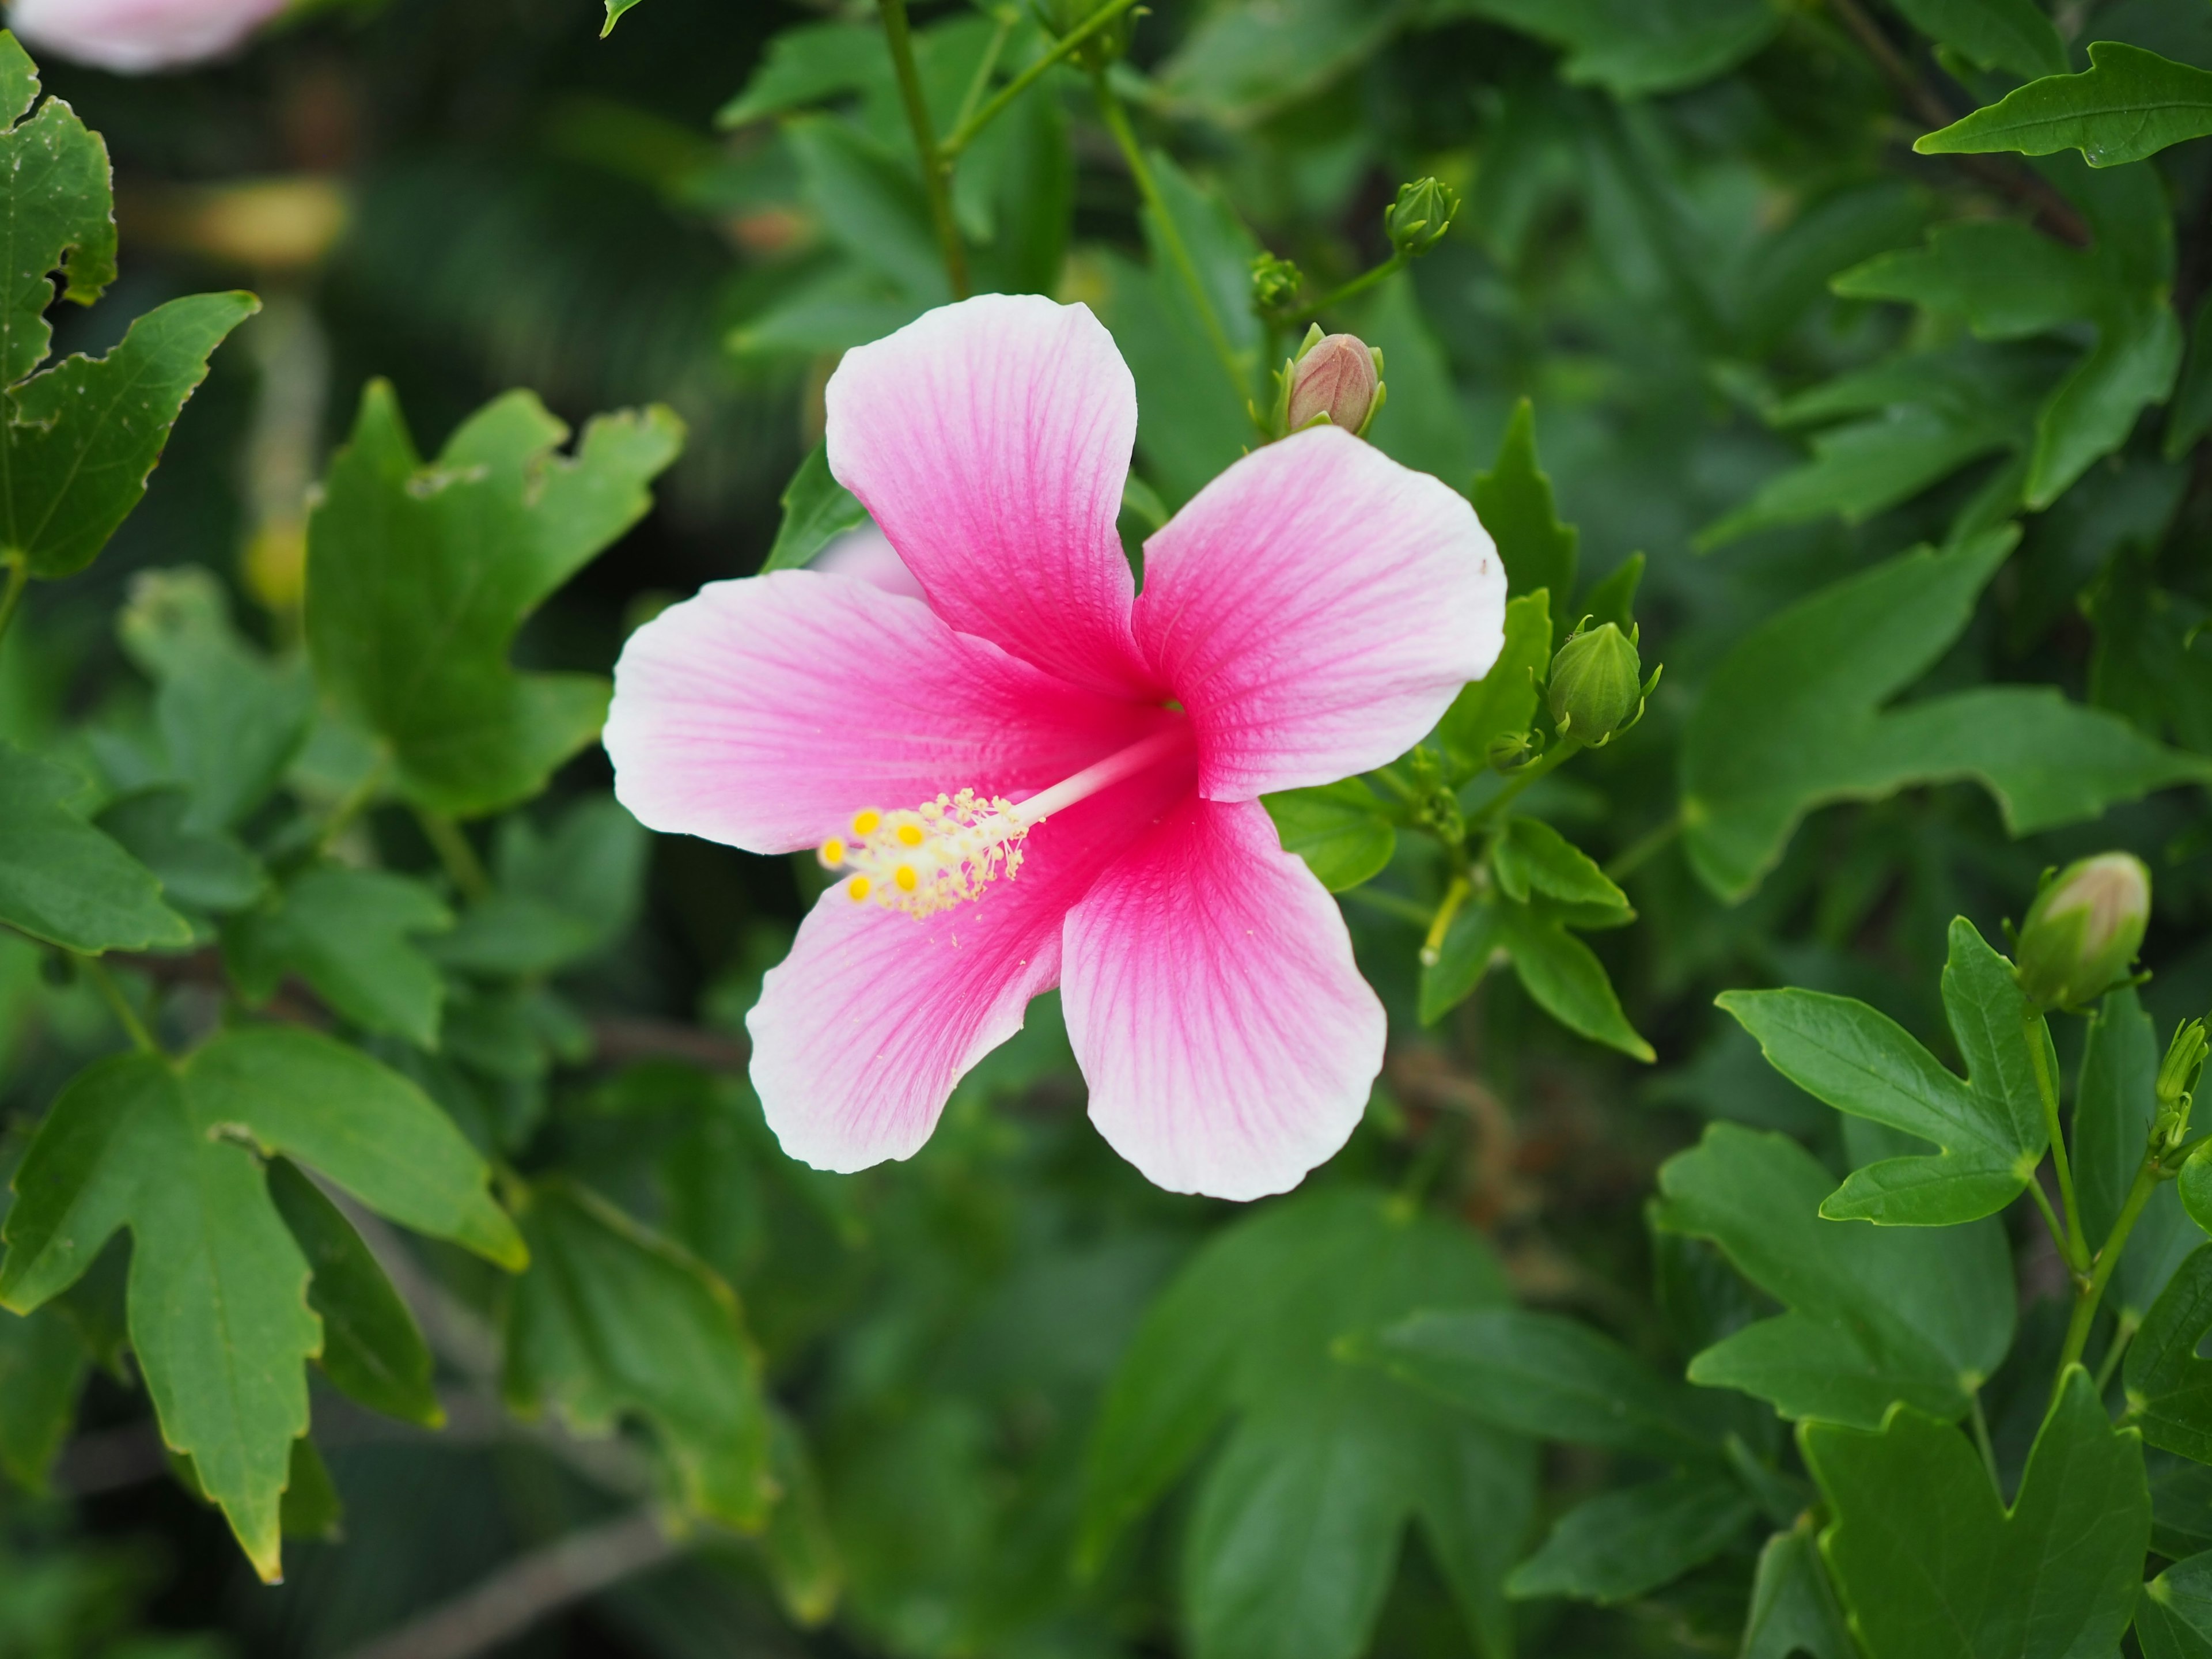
(1661, 203)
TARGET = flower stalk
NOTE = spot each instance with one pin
(933, 170)
(966, 129)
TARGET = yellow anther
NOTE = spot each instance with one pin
(833, 853)
(906, 879)
(860, 887)
(911, 834)
(867, 822)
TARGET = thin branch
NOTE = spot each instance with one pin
(1358, 285)
(2031, 190)
(530, 1588)
(925, 150)
(965, 130)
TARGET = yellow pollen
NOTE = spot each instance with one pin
(866, 822)
(911, 834)
(931, 857)
(858, 888)
(906, 879)
(833, 853)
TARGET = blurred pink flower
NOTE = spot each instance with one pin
(1054, 777)
(868, 554)
(133, 36)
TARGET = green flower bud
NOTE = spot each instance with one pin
(1337, 381)
(2178, 1073)
(1418, 220)
(1274, 282)
(1511, 751)
(2083, 930)
(1063, 17)
(1597, 689)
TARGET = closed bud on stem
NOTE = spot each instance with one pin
(1596, 691)
(1511, 751)
(1338, 381)
(2083, 931)
(1274, 282)
(2178, 1075)
(1418, 220)
(1063, 17)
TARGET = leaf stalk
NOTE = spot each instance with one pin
(965, 130)
(2073, 1247)
(901, 39)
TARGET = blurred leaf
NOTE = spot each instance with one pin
(63, 881)
(372, 1348)
(1423, 425)
(1793, 1607)
(1298, 1520)
(807, 64)
(2114, 1103)
(2128, 104)
(2190, 416)
(2152, 661)
(1872, 1315)
(1248, 59)
(198, 869)
(1614, 599)
(800, 1547)
(872, 202)
(613, 1320)
(1034, 199)
(42, 1365)
(1619, 1544)
(1636, 47)
(1551, 1378)
(311, 1508)
(2173, 1620)
(2012, 35)
(1566, 978)
(1989, 1127)
(418, 579)
(1504, 701)
(219, 1314)
(1791, 719)
(1340, 829)
(1514, 501)
(1932, 1562)
(2169, 1388)
(352, 935)
(816, 509)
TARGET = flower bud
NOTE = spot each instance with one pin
(2083, 930)
(2179, 1072)
(1509, 751)
(1062, 18)
(1336, 380)
(1418, 220)
(1596, 687)
(1274, 282)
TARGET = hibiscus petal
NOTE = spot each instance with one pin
(990, 440)
(1317, 607)
(1228, 1040)
(860, 1035)
(765, 713)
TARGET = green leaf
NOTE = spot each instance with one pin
(1614, 599)
(42, 1365)
(804, 65)
(1930, 1562)
(1514, 501)
(1565, 979)
(871, 203)
(1792, 719)
(1034, 204)
(1532, 857)
(1505, 700)
(2152, 661)
(1424, 424)
(1619, 1544)
(202, 869)
(1243, 61)
(1549, 1377)
(2169, 1388)
(2012, 35)
(800, 1548)
(816, 509)
(591, 866)
(1990, 1126)
(372, 1348)
(2173, 1620)
(1475, 937)
(59, 211)
(230, 720)
(613, 1320)
(1872, 1315)
(2190, 416)
(63, 881)
(1793, 1606)
(615, 9)
(1339, 828)
(352, 934)
(2128, 104)
(419, 577)
(1298, 1519)
(310, 1507)
(1631, 50)
(2114, 1103)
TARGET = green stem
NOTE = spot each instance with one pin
(2076, 1247)
(1357, 286)
(982, 78)
(2049, 1216)
(1117, 123)
(354, 803)
(1639, 852)
(2129, 1324)
(451, 843)
(1982, 1439)
(1432, 947)
(901, 40)
(126, 1015)
(11, 599)
(1520, 781)
(965, 130)
(2108, 1259)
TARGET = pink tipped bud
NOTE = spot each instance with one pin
(1336, 379)
(2083, 931)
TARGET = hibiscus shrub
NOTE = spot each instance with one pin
(1034, 962)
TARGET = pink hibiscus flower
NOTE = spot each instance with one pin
(133, 36)
(1035, 776)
